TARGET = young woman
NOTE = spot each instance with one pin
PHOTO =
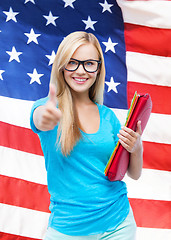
(78, 135)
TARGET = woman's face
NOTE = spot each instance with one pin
(80, 80)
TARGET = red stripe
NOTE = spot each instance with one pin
(29, 195)
(160, 152)
(160, 95)
(34, 196)
(152, 213)
(137, 40)
(157, 156)
(7, 236)
(19, 138)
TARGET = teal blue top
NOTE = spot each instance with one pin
(83, 201)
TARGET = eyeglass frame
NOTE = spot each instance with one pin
(82, 63)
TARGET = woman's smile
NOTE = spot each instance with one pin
(80, 80)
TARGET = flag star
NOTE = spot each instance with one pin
(1, 71)
(26, 1)
(14, 55)
(110, 45)
(50, 19)
(11, 15)
(32, 36)
(69, 3)
(35, 76)
(112, 85)
(106, 6)
(89, 23)
(51, 57)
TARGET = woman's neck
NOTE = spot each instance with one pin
(81, 99)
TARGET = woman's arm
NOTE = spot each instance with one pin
(47, 116)
(132, 142)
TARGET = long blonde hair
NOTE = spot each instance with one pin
(68, 131)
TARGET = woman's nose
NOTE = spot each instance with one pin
(80, 69)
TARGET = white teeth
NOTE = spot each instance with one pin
(80, 79)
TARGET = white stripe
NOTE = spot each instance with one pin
(22, 221)
(149, 69)
(33, 224)
(153, 234)
(15, 111)
(26, 166)
(147, 13)
(121, 115)
(153, 184)
(156, 130)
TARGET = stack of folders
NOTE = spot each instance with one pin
(140, 110)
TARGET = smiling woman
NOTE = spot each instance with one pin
(80, 46)
(76, 72)
(78, 135)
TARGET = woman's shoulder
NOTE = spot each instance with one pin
(108, 115)
(106, 110)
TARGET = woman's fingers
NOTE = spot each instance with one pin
(130, 139)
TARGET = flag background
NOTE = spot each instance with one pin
(137, 52)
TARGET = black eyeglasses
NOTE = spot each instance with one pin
(88, 65)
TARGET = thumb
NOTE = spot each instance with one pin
(52, 94)
(138, 129)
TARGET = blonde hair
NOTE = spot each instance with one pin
(68, 131)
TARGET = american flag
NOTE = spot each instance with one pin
(135, 37)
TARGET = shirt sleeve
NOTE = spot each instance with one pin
(36, 104)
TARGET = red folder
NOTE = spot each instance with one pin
(140, 109)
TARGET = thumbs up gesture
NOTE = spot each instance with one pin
(47, 117)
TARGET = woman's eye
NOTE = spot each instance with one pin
(72, 63)
(89, 63)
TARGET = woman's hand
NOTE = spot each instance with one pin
(47, 117)
(131, 141)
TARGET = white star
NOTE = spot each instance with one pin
(110, 45)
(1, 71)
(14, 55)
(69, 3)
(106, 6)
(89, 23)
(35, 77)
(51, 57)
(11, 15)
(32, 36)
(26, 1)
(112, 85)
(50, 19)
